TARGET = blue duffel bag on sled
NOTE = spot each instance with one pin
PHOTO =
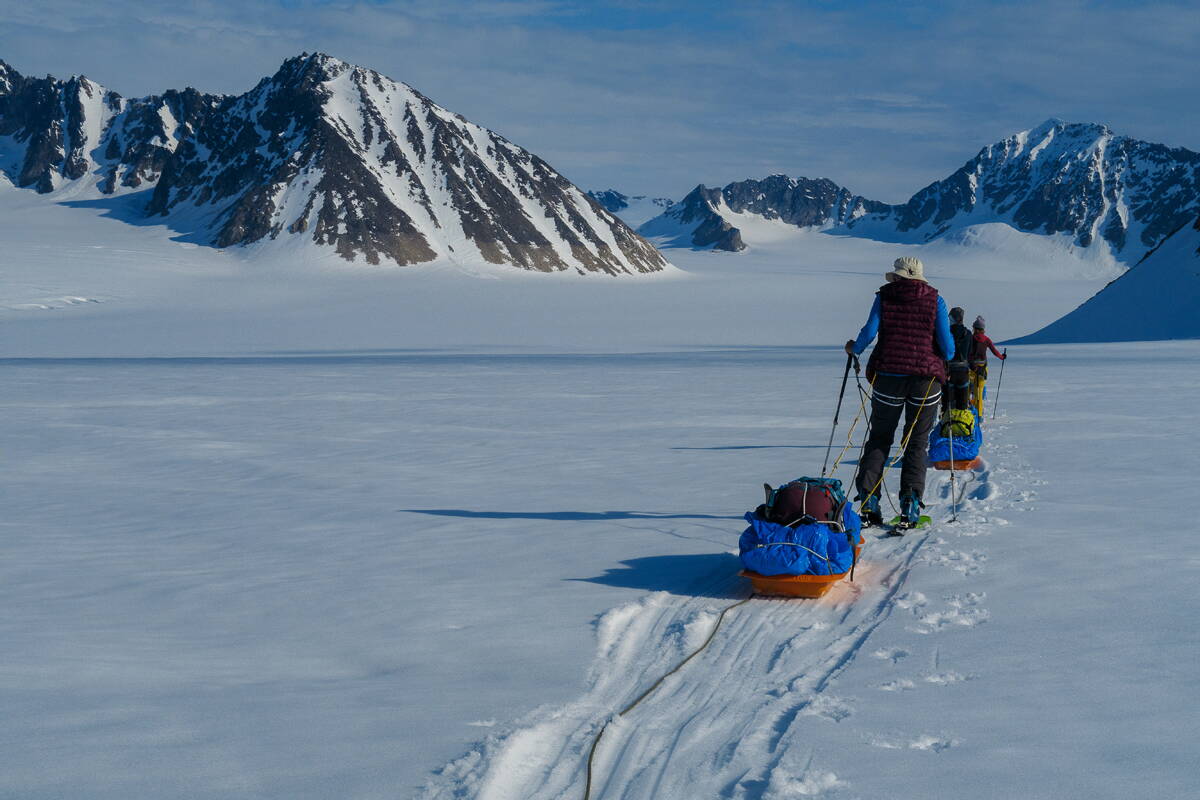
(806, 527)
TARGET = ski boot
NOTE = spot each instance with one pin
(869, 511)
(910, 513)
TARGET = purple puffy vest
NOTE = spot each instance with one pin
(907, 325)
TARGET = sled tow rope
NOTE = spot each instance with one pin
(587, 789)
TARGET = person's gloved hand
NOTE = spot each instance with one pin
(1004, 356)
(849, 347)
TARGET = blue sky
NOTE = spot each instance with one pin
(658, 96)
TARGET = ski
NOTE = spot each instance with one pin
(897, 527)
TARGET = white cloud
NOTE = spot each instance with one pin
(881, 100)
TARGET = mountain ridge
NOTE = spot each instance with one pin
(1077, 180)
(699, 219)
(339, 154)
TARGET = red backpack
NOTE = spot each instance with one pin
(804, 500)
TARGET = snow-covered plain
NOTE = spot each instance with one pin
(432, 566)
(77, 280)
(316, 577)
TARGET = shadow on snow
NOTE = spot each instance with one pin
(130, 208)
(758, 447)
(695, 575)
(560, 516)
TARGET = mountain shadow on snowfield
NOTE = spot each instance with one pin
(1155, 299)
(337, 154)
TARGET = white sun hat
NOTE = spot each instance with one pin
(907, 267)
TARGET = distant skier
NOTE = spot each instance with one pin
(955, 392)
(980, 344)
(907, 369)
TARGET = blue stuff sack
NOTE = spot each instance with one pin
(809, 549)
(964, 449)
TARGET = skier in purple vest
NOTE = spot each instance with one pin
(907, 369)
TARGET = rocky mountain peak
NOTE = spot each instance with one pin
(8, 76)
(323, 149)
(701, 218)
(1078, 179)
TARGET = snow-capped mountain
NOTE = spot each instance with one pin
(632, 209)
(338, 154)
(1081, 180)
(706, 217)
(1154, 299)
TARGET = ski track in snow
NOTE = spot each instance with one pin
(726, 725)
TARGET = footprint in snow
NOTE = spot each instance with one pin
(935, 743)
(912, 600)
(968, 563)
(947, 678)
(893, 654)
(926, 741)
(811, 784)
(962, 611)
(834, 708)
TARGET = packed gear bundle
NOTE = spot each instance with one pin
(802, 540)
(955, 444)
(959, 423)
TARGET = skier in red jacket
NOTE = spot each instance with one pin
(980, 344)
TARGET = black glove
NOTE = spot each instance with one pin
(849, 347)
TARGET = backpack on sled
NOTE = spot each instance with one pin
(959, 423)
(805, 501)
(802, 541)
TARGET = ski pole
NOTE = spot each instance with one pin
(999, 381)
(953, 503)
(850, 359)
(853, 556)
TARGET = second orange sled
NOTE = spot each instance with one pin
(974, 463)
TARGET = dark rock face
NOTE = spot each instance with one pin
(803, 202)
(1078, 179)
(711, 230)
(323, 149)
(610, 199)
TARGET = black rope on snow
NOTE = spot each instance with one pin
(587, 789)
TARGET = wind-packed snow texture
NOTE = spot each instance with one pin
(435, 576)
(1156, 299)
(324, 151)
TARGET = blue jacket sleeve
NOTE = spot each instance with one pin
(945, 339)
(871, 329)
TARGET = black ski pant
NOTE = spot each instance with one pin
(918, 397)
(956, 392)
